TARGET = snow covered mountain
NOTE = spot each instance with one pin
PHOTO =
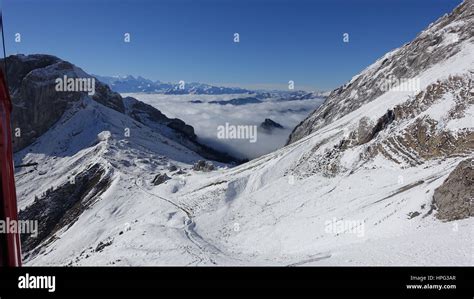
(78, 140)
(375, 176)
(129, 84)
(439, 42)
(38, 106)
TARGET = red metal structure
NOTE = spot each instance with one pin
(10, 248)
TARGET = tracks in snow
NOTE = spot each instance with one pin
(208, 250)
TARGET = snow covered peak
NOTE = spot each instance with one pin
(447, 37)
(130, 84)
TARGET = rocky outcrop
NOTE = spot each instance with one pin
(454, 199)
(61, 206)
(160, 179)
(181, 127)
(203, 165)
(269, 125)
(105, 96)
(36, 104)
(147, 114)
(419, 130)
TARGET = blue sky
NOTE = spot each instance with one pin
(192, 40)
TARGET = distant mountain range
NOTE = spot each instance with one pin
(128, 84)
(132, 84)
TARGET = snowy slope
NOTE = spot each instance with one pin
(340, 195)
(355, 189)
(435, 45)
(82, 141)
(283, 204)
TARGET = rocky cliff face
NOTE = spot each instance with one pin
(437, 43)
(454, 199)
(269, 125)
(37, 106)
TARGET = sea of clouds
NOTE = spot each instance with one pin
(206, 117)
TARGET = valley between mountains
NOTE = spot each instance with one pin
(371, 177)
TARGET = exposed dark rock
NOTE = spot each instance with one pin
(424, 138)
(454, 199)
(102, 245)
(149, 115)
(382, 123)
(107, 97)
(160, 179)
(183, 128)
(180, 172)
(412, 215)
(269, 125)
(36, 104)
(61, 206)
(203, 165)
